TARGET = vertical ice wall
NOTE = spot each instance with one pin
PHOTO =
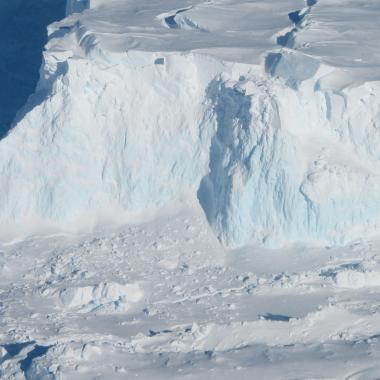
(291, 159)
(251, 192)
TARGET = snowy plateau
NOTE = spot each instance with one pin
(190, 189)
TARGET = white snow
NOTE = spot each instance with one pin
(101, 305)
(102, 297)
(193, 192)
(355, 280)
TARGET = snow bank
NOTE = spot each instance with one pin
(102, 297)
(328, 324)
(355, 280)
(131, 113)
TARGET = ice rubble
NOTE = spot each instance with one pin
(102, 297)
(133, 111)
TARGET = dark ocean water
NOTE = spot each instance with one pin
(23, 35)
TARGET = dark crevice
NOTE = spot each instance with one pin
(276, 317)
(35, 353)
(14, 349)
(170, 20)
(296, 17)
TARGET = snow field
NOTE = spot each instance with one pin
(207, 314)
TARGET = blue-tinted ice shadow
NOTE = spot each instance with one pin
(23, 33)
(275, 317)
(14, 349)
(37, 352)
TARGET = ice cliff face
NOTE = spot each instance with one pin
(279, 148)
(106, 136)
(291, 164)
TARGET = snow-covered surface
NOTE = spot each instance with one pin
(162, 132)
(275, 127)
(163, 300)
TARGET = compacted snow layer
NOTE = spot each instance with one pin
(162, 300)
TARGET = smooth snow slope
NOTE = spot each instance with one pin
(255, 106)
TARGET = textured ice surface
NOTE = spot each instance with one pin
(244, 104)
(103, 297)
(163, 300)
(266, 114)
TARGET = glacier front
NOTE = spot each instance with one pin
(238, 103)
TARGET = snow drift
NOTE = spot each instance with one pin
(131, 113)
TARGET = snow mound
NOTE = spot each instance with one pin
(100, 298)
(355, 280)
(330, 323)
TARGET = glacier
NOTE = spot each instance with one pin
(139, 105)
(191, 189)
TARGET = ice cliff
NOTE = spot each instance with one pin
(139, 104)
